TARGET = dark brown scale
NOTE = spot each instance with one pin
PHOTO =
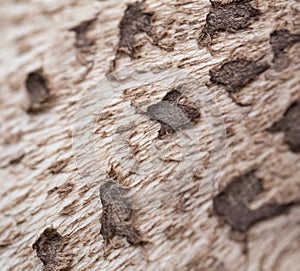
(236, 73)
(172, 96)
(117, 216)
(232, 203)
(135, 20)
(169, 114)
(81, 31)
(230, 17)
(50, 250)
(173, 113)
(282, 39)
(290, 125)
(36, 87)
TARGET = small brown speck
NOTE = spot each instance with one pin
(58, 166)
(63, 190)
(69, 209)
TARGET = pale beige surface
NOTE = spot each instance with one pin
(184, 233)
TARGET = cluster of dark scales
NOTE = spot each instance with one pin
(175, 112)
